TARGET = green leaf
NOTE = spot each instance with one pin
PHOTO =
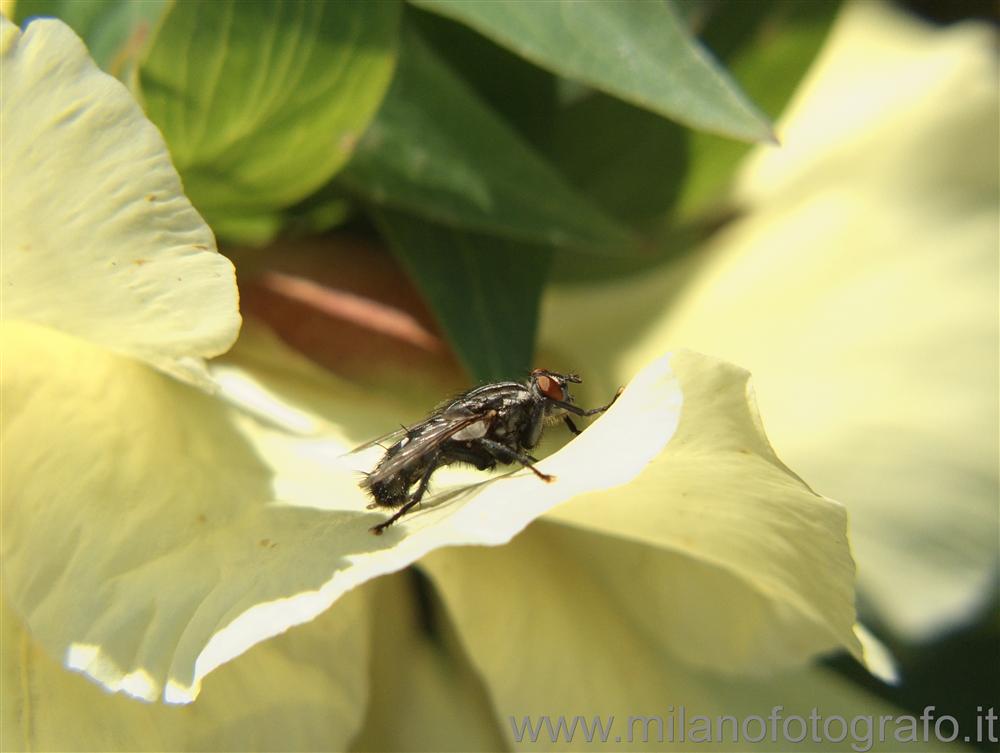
(436, 150)
(116, 31)
(523, 94)
(769, 46)
(639, 52)
(320, 212)
(630, 162)
(653, 172)
(484, 290)
(261, 103)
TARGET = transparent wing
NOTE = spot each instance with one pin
(385, 441)
(448, 410)
(424, 438)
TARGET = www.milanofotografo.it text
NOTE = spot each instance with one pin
(677, 726)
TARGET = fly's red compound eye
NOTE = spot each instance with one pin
(549, 387)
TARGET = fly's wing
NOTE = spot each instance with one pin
(423, 439)
(386, 440)
(452, 408)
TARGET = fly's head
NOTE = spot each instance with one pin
(552, 387)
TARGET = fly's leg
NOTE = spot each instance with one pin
(414, 498)
(571, 426)
(506, 455)
(484, 460)
(377, 530)
(576, 411)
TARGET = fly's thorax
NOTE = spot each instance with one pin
(513, 419)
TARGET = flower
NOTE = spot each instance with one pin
(158, 538)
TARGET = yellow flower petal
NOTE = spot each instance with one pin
(153, 533)
(424, 694)
(98, 238)
(717, 550)
(714, 510)
(468, 507)
(546, 636)
(196, 531)
(846, 716)
(874, 331)
(294, 693)
(139, 524)
(860, 290)
(551, 636)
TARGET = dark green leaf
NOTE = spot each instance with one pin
(484, 290)
(437, 151)
(522, 93)
(628, 161)
(641, 52)
(115, 31)
(262, 102)
(769, 46)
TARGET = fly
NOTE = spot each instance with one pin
(492, 424)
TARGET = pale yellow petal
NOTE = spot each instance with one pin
(196, 530)
(860, 290)
(871, 275)
(709, 503)
(305, 690)
(139, 524)
(550, 637)
(546, 637)
(98, 239)
(303, 431)
(717, 551)
(152, 533)
(816, 709)
(424, 694)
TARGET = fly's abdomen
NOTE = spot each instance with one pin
(389, 492)
(389, 484)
